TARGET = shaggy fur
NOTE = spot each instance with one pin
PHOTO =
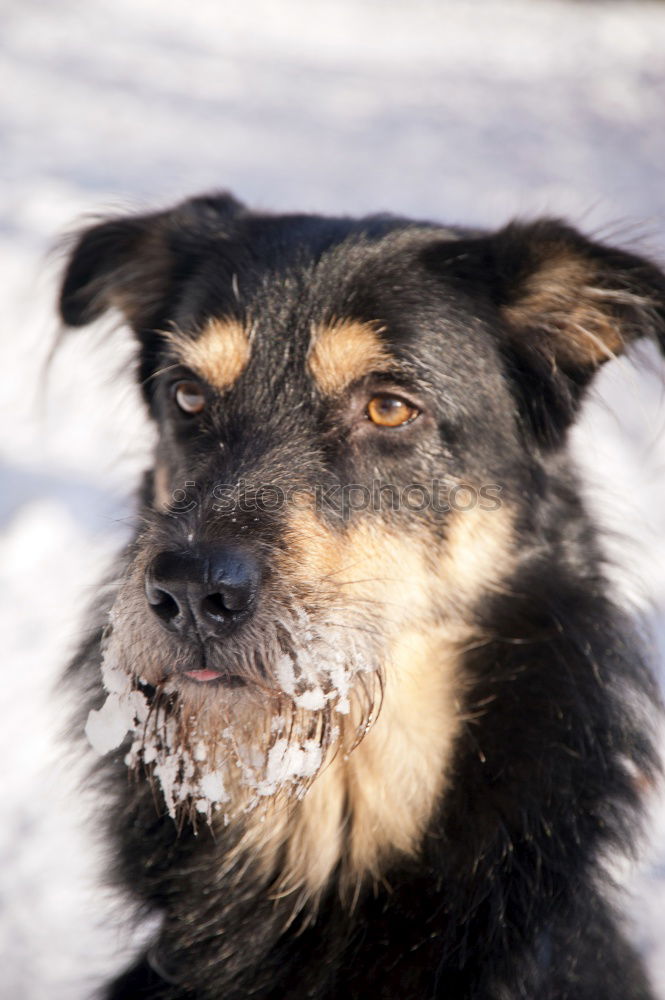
(392, 759)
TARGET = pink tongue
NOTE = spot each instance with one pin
(202, 675)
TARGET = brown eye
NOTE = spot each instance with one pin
(189, 396)
(390, 411)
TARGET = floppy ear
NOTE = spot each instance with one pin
(132, 263)
(575, 302)
(565, 306)
(119, 263)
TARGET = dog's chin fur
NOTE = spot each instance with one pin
(430, 726)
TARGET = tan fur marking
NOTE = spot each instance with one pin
(392, 780)
(478, 553)
(219, 354)
(162, 487)
(560, 299)
(344, 352)
(374, 800)
(397, 773)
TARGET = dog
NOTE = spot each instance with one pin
(368, 721)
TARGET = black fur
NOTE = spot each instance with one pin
(507, 897)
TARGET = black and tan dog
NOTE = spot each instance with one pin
(369, 721)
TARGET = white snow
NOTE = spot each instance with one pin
(107, 727)
(212, 787)
(467, 111)
(285, 673)
(311, 700)
(287, 763)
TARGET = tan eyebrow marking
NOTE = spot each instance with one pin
(219, 353)
(345, 351)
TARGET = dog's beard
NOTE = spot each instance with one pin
(216, 751)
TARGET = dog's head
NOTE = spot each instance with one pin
(357, 420)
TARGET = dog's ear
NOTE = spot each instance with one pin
(565, 305)
(574, 302)
(130, 263)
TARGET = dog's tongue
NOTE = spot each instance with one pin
(203, 675)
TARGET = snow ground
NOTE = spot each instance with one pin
(465, 111)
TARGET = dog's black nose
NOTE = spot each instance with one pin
(208, 590)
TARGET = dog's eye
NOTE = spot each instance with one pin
(189, 396)
(390, 411)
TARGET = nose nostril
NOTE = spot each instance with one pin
(216, 606)
(226, 603)
(163, 604)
